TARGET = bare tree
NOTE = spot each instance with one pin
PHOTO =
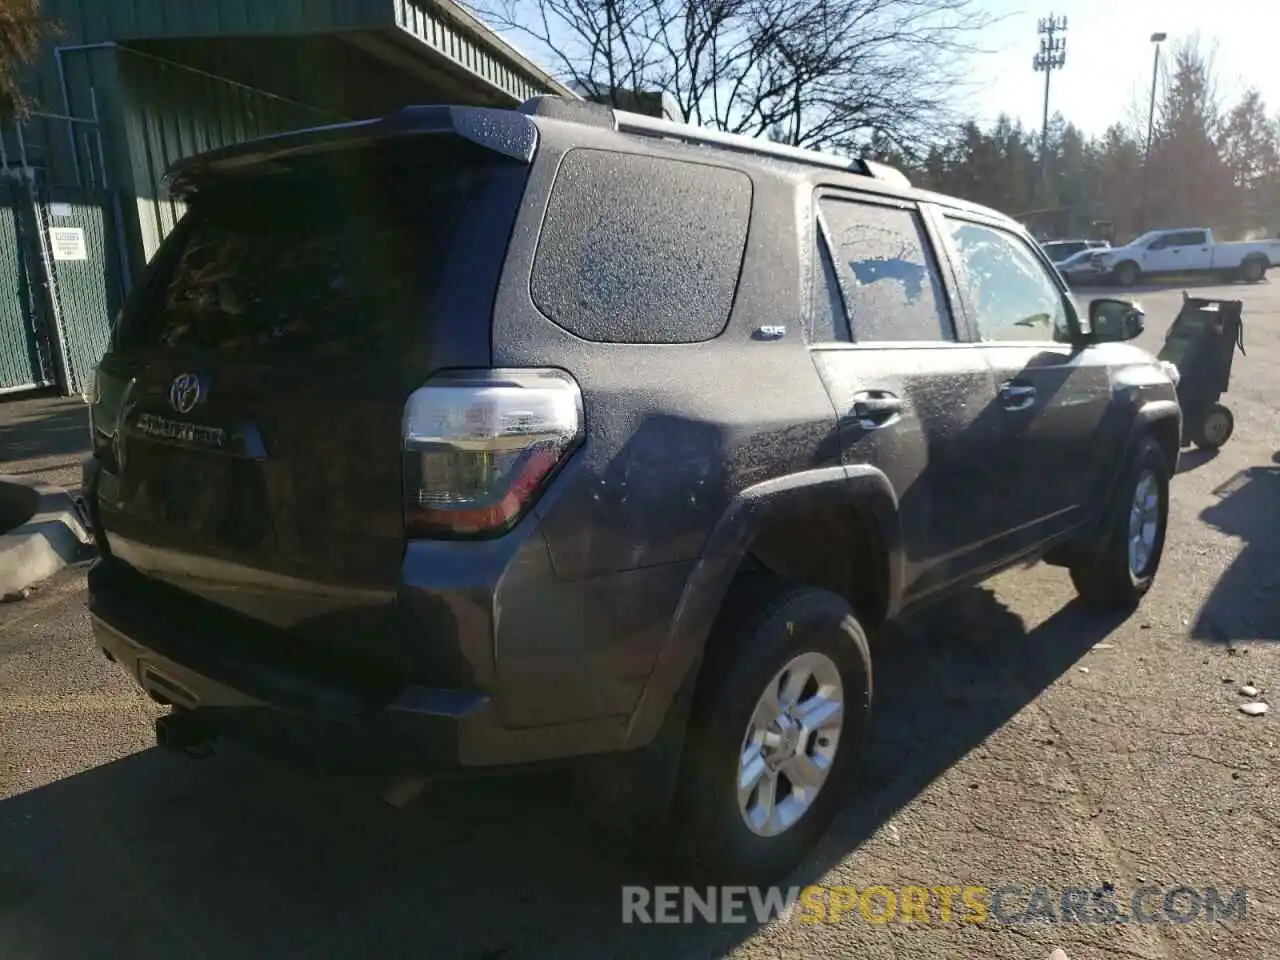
(815, 73)
(22, 28)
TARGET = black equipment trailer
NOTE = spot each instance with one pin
(1202, 343)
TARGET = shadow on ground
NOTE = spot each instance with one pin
(39, 429)
(154, 855)
(1245, 603)
(1192, 459)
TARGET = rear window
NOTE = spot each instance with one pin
(1061, 251)
(339, 256)
(641, 249)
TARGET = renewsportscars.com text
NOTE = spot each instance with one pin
(974, 904)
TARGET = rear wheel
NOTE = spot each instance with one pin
(1122, 571)
(1127, 274)
(1251, 271)
(776, 730)
(1214, 429)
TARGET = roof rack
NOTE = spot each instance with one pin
(624, 121)
(644, 126)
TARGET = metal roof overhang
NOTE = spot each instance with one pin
(347, 58)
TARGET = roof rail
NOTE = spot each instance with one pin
(644, 126)
(882, 171)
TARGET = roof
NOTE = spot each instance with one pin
(513, 133)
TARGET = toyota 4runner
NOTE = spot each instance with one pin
(468, 438)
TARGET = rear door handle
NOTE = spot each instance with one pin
(1017, 396)
(876, 408)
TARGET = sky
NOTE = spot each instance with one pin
(1109, 56)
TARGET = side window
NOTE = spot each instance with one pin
(1011, 294)
(1189, 238)
(890, 282)
(639, 249)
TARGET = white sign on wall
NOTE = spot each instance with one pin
(68, 243)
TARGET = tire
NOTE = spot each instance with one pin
(1214, 429)
(1127, 273)
(769, 626)
(1111, 576)
(1252, 271)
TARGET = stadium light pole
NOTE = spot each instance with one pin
(1052, 56)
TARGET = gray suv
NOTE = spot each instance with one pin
(466, 439)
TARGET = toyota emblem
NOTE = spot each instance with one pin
(185, 392)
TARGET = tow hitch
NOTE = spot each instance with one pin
(184, 734)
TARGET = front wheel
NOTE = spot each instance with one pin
(1127, 274)
(1214, 429)
(1123, 569)
(776, 730)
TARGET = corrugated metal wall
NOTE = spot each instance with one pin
(172, 112)
(95, 20)
(423, 20)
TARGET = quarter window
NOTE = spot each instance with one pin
(1009, 291)
(638, 249)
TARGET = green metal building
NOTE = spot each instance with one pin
(129, 86)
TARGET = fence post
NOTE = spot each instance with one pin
(53, 302)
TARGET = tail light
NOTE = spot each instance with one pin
(479, 448)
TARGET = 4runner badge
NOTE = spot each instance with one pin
(185, 392)
(771, 332)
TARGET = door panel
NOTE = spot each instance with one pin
(937, 449)
(1188, 250)
(910, 399)
(1049, 398)
(1052, 401)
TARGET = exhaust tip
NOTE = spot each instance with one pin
(183, 734)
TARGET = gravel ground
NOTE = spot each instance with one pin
(1021, 740)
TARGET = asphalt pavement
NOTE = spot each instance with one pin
(1020, 741)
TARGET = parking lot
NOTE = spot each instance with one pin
(1019, 741)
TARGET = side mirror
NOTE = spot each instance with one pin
(1115, 321)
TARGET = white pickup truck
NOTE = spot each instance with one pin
(1185, 251)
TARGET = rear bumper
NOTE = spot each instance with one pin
(293, 701)
(314, 717)
(478, 656)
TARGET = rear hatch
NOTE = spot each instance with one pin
(248, 413)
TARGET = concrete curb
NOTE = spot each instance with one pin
(52, 536)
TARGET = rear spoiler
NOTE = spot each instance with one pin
(511, 133)
(505, 132)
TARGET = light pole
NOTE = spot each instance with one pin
(1157, 39)
(1052, 56)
